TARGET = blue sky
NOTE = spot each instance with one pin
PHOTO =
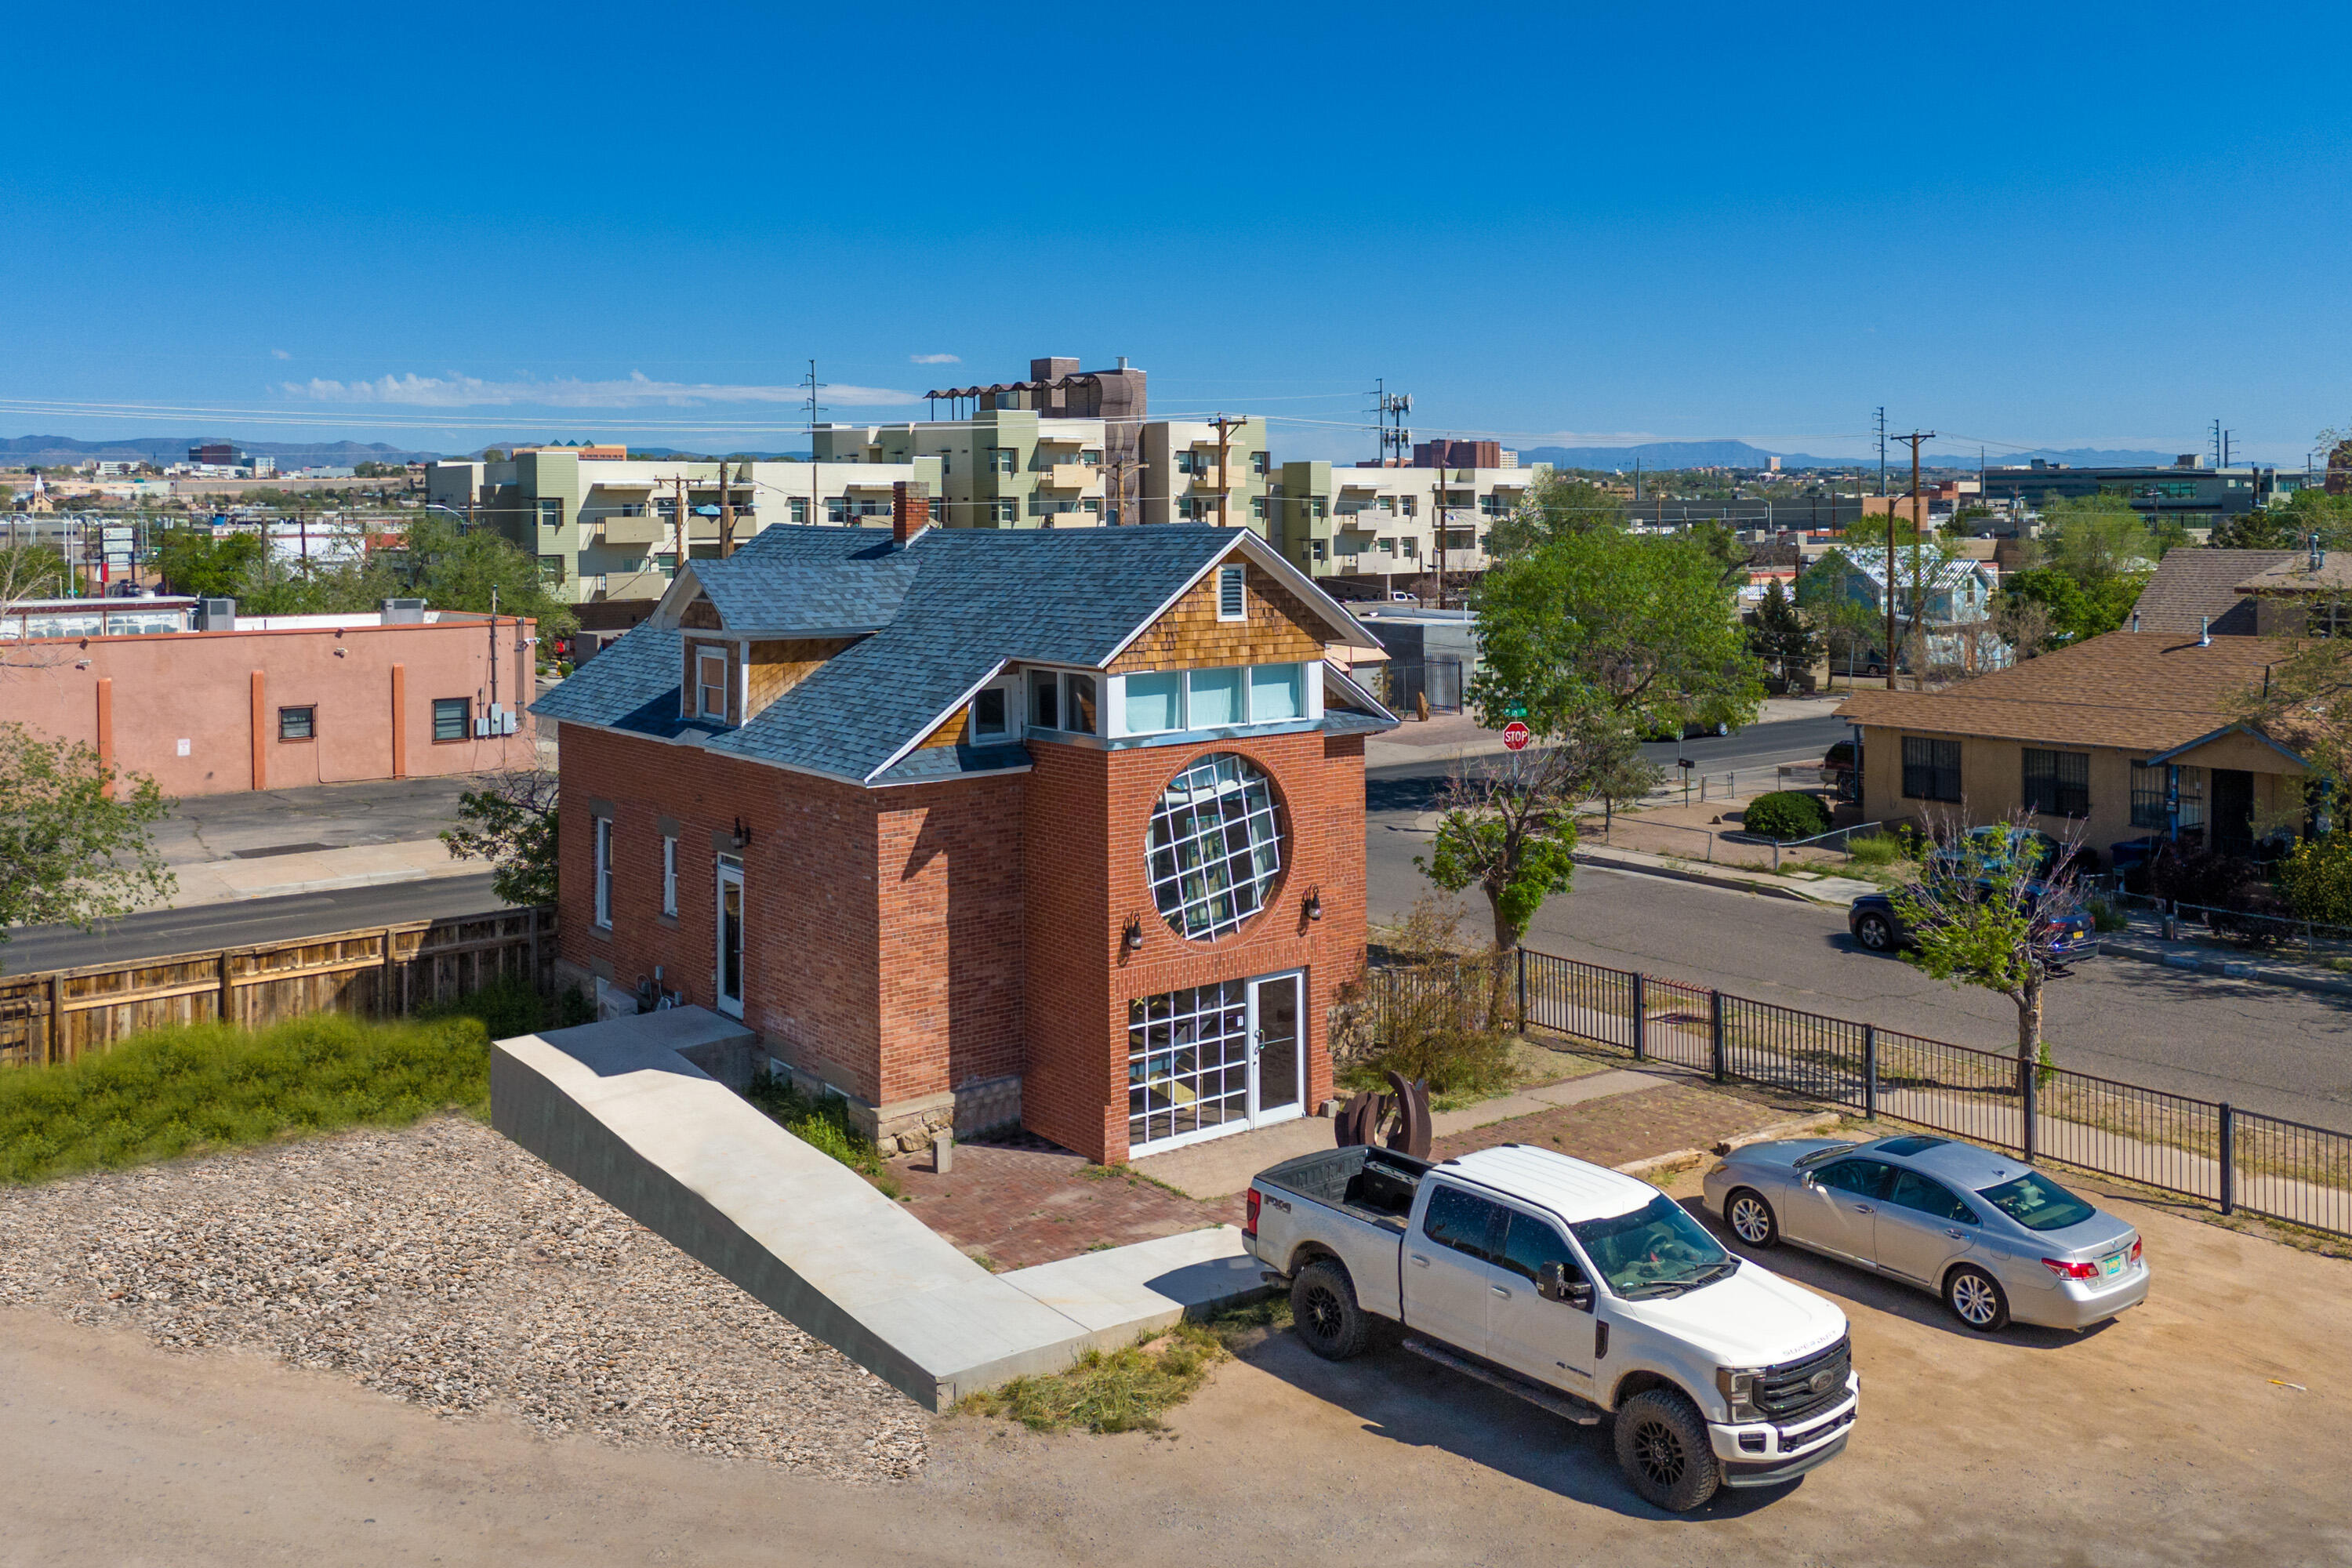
(437, 225)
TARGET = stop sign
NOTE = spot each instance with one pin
(1516, 735)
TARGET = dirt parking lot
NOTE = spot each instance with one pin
(2171, 1436)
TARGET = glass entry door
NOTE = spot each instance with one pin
(1212, 1060)
(731, 936)
(1278, 1055)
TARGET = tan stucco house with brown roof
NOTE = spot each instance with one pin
(2122, 735)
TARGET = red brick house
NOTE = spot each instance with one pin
(975, 827)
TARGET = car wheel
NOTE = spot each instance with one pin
(1323, 1308)
(1751, 1218)
(1875, 933)
(1662, 1446)
(1976, 1298)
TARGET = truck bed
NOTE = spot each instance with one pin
(1375, 1184)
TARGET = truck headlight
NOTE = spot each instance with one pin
(1739, 1386)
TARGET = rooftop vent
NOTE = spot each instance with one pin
(2318, 553)
(2204, 631)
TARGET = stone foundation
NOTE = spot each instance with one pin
(903, 1126)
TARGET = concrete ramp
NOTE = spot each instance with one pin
(621, 1109)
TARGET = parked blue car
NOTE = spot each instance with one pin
(1879, 926)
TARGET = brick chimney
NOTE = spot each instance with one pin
(911, 509)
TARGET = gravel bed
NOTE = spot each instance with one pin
(442, 1265)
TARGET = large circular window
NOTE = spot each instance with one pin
(1216, 845)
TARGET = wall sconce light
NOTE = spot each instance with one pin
(742, 834)
(1314, 903)
(1133, 933)
(339, 652)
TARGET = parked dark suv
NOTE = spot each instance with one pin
(1879, 926)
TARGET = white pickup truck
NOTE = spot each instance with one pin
(1580, 1289)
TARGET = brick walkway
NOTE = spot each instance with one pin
(1016, 1205)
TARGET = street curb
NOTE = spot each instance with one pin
(1709, 879)
(1779, 1130)
(2198, 963)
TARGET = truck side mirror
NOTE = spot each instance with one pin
(1553, 1283)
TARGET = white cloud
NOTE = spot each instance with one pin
(638, 389)
(935, 358)
(280, 353)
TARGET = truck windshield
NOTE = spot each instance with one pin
(1656, 1250)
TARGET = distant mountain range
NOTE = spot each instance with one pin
(1740, 455)
(46, 449)
(174, 449)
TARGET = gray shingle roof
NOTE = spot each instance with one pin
(2191, 586)
(969, 600)
(753, 595)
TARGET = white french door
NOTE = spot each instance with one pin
(731, 936)
(1212, 1060)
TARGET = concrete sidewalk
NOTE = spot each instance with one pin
(630, 1108)
(2145, 946)
(1805, 886)
(315, 871)
(1222, 1167)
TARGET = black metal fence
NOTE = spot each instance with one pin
(2199, 1148)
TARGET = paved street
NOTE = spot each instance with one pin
(160, 931)
(2288, 1053)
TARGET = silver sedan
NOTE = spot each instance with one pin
(1994, 1237)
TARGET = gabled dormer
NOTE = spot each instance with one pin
(750, 630)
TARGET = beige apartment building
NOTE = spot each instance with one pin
(1374, 527)
(605, 526)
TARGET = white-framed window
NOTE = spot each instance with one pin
(990, 717)
(1044, 699)
(1319, 549)
(1006, 511)
(1273, 693)
(1066, 700)
(605, 872)
(1233, 593)
(1215, 698)
(710, 685)
(1155, 702)
(669, 876)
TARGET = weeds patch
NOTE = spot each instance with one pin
(1130, 1390)
(822, 1123)
(199, 1088)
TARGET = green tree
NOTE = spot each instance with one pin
(2097, 539)
(1508, 828)
(2317, 878)
(2290, 524)
(1614, 631)
(456, 568)
(1848, 627)
(33, 568)
(1780, 636)
(2074, 610)
(510, 822)
(1988, 917)
(1557, 505)
(206, 564)
(76, 847)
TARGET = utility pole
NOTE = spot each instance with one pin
(727, 512)
(1919, 527)
(1389, 410)
(1120, 465)
(678, 521)
(1881, 456)
(816, 502)
(1225, 424)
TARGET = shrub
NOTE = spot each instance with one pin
(202, 1087)
(1785, 815)
(2106, 915)
(2317, 878)
(1423, 1012)
(821, 1121)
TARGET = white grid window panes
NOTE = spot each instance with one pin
(1186, 1062)
(1215, 847)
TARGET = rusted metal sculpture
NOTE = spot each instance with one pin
(1399, 1121)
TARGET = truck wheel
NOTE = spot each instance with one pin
(1323, 1308)
(1662, 1449)
(1751, 1218)
(1976, 1298)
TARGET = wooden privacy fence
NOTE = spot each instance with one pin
(62, 1014)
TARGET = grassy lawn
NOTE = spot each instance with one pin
(198, 1089)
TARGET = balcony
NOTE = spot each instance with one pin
(650, 528)
(1069, 475)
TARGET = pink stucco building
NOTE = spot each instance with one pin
(281, 701)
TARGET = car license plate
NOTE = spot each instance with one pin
(2112, 1264)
